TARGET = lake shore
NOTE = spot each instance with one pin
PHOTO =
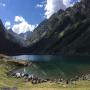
(7, 65)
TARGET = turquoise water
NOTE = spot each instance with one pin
(34, 57)
(47, 66)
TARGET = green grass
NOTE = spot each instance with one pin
(7, 81)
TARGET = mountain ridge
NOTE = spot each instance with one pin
(64, 29)
(66, 32)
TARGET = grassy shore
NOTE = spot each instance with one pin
(20, 84)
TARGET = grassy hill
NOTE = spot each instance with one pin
(20, 84)
(11, 82)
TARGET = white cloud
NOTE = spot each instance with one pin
(69, 3)
(66, 3)
(19, 19)
(22, 25)
(39, 5)
(7, 25)
(2, 4)
(52, 6)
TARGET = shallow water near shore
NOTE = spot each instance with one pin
(47, 66)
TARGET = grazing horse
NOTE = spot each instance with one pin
(67, 81)
(22, 74)
(25, 75)
(34, 79)
(30, 77)
(34, 82)
(18, 75)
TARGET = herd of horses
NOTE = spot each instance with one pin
(36, 80)
(29, 77)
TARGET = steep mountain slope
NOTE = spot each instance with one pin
(21, 36)
(66, 32)
(10, 45)
(16, 37)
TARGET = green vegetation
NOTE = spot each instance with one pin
(7, 81)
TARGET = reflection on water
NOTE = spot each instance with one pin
(55, 66)
(81, 59)
(34, 57)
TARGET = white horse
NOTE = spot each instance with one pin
(22, 75)
(18, 75)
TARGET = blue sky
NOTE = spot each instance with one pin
(25, 15)
(24, 8)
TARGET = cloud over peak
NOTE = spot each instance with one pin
(20, 25)
(7, 25)
(19, 19)
(69, 3)
(52, 6)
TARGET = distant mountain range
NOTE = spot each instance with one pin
(9, 43)
(65, 33)
(25, 36)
